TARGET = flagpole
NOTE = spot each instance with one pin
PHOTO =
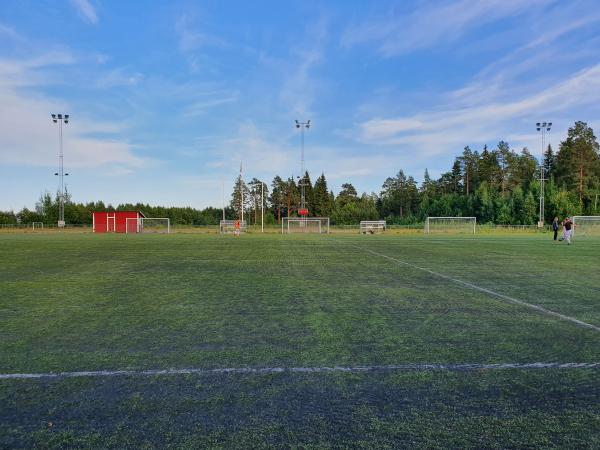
(242, 188)
(223, 196)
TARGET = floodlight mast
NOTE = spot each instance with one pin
(60, 119)
(302, 126)
(542, 128)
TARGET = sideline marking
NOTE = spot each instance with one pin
(541, 309)
(260, 370)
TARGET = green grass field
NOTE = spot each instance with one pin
(83, 302)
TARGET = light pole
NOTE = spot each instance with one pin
(542, 127)
(60, 118)
(302, 126)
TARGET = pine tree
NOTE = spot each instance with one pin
(236, 198)
(577, 162)
(321, 197)
(549, 162)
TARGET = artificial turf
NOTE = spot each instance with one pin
(72, 302)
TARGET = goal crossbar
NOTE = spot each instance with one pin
(586, 225)
(318, 225)
(372, 226)
(141, 225)
(35, 225)
(451, 224)
(228, 226)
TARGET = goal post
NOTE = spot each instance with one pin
(450, 225)
(372, 226)
(147, 225)
(228, 226)
(318, 225)
(37, 225)
(586, 226)
(132, 225)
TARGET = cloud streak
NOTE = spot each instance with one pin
(86, 10)
(30, 138)
(433, 23)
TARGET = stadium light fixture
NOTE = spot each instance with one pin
(58, 118)
(302, 126)
(543, 128)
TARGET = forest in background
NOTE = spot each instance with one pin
(498, 185)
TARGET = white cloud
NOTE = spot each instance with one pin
(449, 128)
(434, 23)
(85, 10)
(30, 138)
(118, 77)
(9, 32)
(191, 39)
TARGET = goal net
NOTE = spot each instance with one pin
(450, 225)
(148, 225)
(37, 225)
(305, 225)
(372, 226)
(228, 226)
(586, 226)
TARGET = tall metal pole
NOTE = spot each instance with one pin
(302, 126)
(60, 118)
(262, 207)
(542, 127)
(242, 188)
(223, 196)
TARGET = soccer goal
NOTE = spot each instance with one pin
(450, 225)
(584, 226)
(319, 225)
(372, 226)
(228, 226)
(37, 225)
(148, 225)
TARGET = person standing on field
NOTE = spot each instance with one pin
(568, 224)
(555, 227)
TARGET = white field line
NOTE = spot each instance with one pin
(269, 370)
(538, 308)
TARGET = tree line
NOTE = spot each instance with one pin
(498, 185)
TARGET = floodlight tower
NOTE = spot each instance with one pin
(60, 119)
(542, 127)
(302, 126)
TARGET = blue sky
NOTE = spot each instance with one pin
(166, 98)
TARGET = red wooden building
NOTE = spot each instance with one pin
(116, 221)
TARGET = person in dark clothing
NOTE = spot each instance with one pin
(555, 227)
(568, 224)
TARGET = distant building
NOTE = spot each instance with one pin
(116, 221)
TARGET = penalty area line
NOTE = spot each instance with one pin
(466, 367)
(475, 287)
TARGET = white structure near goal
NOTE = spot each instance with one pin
(228, 226)
(37, 225)
(586, 226)
(450, 225)
(305, 225)
(372, 226)
(147, 225)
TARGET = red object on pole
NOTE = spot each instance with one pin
(303, 212)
